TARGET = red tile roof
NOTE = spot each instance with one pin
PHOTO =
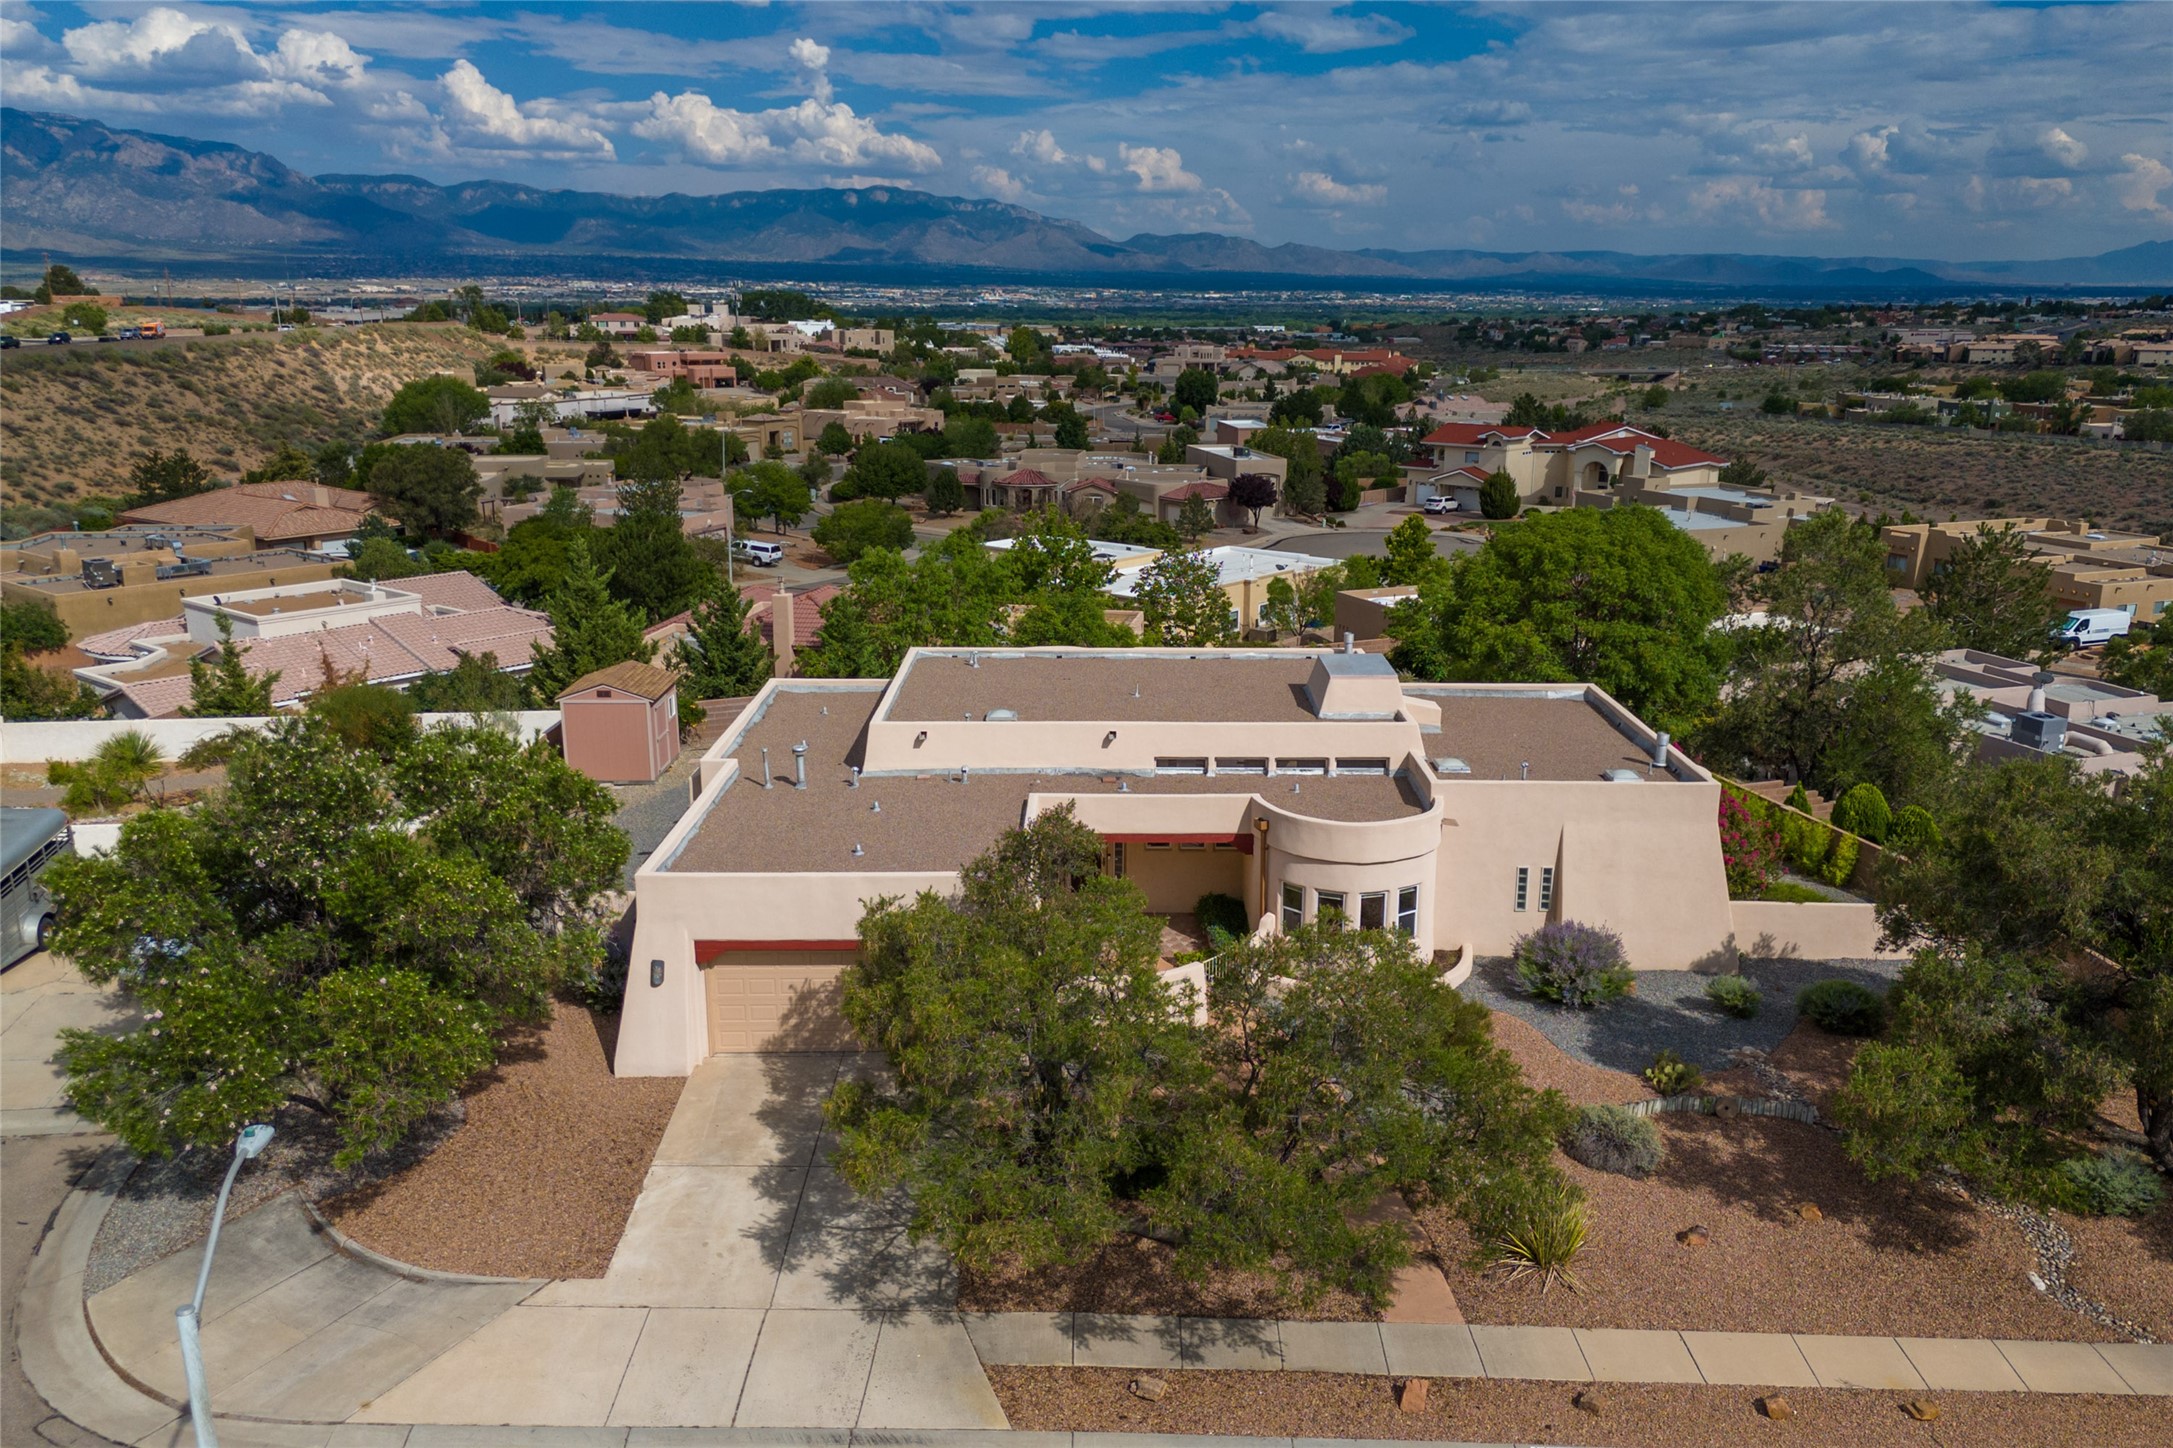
(462, 590)
(1210, 489)
(1471, 434)
(1026, 478)
(1622, 440)
(272, 512)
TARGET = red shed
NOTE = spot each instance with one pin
(621, 724)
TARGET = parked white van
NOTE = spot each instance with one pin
(757, 552)
(2087, 626)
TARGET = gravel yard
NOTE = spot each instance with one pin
(1669, 1009)
(1334, 1405)
(538, 1180)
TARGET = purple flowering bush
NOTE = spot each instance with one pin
(1575, 965)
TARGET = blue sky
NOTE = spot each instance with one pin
(1922, 129)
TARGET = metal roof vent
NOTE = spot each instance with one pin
(1621, 776)
(999, 716)
(1450, 764)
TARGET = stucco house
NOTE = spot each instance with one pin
(1302, 782)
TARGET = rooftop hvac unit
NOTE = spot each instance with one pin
(101, 573)
(2040, 730)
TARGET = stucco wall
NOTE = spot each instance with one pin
(1832, 931)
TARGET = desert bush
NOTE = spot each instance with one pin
(1223, 915)
(1572, 964)
(1734, 995)
(1843, 1008)
(1545, 1243)
(1614, 1139)
(1863, 811)
(1670, 1075)
(1913, 830)
(2116, 1184)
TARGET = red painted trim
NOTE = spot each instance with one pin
(1243, 842)
(707, 950)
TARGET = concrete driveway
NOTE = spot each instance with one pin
(40, 996)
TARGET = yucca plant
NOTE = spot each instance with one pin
(1547, 1241)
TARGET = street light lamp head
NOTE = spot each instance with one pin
(252, 1141)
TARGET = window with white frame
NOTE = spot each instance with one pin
(1524, 887)
(1407, 909)
(1546, 888)
(1293, 907)
(1373, 910)
(1325, 901)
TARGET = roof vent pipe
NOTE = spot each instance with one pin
(1350, 642)
(2037, 691)
(876, 808)
(799, 765)
(765, 766)
(856, 778)
(1524, 770)
(1659, 750)
(857, 851)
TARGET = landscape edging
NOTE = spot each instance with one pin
(348, 1246)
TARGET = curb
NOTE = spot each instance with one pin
(349, 1247)
(60, 1356)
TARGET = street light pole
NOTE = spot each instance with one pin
(188, 1316)
(731, 505)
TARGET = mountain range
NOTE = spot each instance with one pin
(105, 195)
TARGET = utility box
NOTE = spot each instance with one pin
(620, 725)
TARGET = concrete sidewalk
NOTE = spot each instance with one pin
(40, 996)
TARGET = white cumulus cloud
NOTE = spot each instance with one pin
(2060, 146)
(2142, 178)
(1772, 208)
(999, 182)
(814, 59)
(824, 132)
(481, 114)
(1159, 168)
(1324, 190)
(1040, 146)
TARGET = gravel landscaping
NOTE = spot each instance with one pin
(1335, 1405)
(1135, 1275)
(1669, 1009)
(539, 1178)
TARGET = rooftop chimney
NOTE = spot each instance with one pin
(1350, 642)
(783, 619)
(1659, 750)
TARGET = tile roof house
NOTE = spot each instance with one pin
(299, 515)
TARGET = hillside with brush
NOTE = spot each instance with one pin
(75, 420)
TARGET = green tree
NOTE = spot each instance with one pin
(1175, 443)
(434, 405)
(28, 692)
(225, 689)
(1301, 408)
(1051, 1094)
(885, 470)
(366, 717)
(952, 595)
(31, 626)
(590, 628)
(289, 465)
(1182, 598)
(652, 566)
(1412, 559)
(161, 477)
(1028, 349)
(431, 490)
(332, 932)
(834, 440)
(943, 493)
(2150, 424)
(771, 490)
(475, 685)
(1618, 597)
(1070, 425)
(1994, 594)
(851, 529)
(1197, 389)
(1499, 497)
(84, 317)
(969, 437)
(719, 656)
(1195, 519)
(830, 393)
(1303, 488)
(1285, 610)
(60, 281)
(1835, 687)
(1253, 492)
(662, 306)
(2141, 659)
(1743, 473)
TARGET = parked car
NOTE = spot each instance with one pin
(1439, 503)
(757, 552)
(10, 342)
(30, 839)
(59, 339)
(2087, 626)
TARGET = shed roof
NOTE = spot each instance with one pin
(645, 680)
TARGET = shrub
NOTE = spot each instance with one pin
(1797, 799)
(1750, 848)
(1843, 1007)
(1546, 1240)
(1614, 1139)
(1670, 1075)
(1913, 830)
(1788, 892)
(1222, 915)
(1575, 965)
(601, 984)
(1840, 859)
(1734, 995)
(1863, 811)
(2117, 1184)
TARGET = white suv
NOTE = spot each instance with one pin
(1439, 503)
(762, 555)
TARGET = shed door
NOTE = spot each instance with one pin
(777, 1000)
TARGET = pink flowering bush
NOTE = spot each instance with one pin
(1749, 847)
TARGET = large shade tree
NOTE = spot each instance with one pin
(334, 931)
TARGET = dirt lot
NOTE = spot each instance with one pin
(538, 1181)
(1336, 1405)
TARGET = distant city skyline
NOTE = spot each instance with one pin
(1942, 131)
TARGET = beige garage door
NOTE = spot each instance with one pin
(777, 1000)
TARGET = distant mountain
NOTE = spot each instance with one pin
(101, 194)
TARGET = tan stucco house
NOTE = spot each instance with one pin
(1299, 781)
